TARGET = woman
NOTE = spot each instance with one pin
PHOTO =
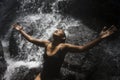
(56, 50)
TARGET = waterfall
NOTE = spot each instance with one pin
(40, 18)
(42, 25)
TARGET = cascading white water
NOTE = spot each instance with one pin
(42, 25)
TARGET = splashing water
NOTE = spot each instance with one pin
(42, 25)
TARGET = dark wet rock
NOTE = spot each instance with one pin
(7, 14)
(103, 12)
(95, 64)
(19, 73)
(32, 73)
(3, 64)
(24, 73)
(13, 48)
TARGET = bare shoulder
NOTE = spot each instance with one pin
(71, 46)
(47, 42)
(64, 45)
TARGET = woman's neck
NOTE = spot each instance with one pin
(56, 42)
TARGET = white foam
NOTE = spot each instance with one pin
(47, 22)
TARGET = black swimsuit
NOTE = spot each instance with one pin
(52, 65)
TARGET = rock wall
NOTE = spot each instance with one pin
(7, 14)
(3, 64)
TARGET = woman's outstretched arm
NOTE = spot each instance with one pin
(104, 34)
(39, 42)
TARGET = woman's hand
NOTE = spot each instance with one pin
(17, 27)
(107, 31)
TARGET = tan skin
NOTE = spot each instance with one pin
(53, 47)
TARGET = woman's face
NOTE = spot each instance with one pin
(59, 33)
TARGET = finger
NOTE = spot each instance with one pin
(111, 32)
(113, 28)
(14, 25)
(110, 28)
(105, 28)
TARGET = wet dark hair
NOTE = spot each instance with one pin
(64, 36)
